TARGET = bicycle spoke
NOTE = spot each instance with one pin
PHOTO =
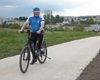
(24, 59)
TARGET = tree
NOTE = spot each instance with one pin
(4, 24)
(16, 18)
(60, 28)
(57, 18)
(53, 20)
(7, 25)
(79, 27)
(55, 28)
(67, 29)
(15, 26)
(62, 19)
(0, 26)
(22, 18)
(98, 22)
(72, 21)
(90, 21)
(47, 19)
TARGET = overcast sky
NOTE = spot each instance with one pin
(16, 8)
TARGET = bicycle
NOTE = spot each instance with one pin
(25, 53)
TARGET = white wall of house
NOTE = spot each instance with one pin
(10, 22)
(95, 27)
(21, 23)
(69, 19)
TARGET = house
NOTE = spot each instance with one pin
(97, 19)
(70, 19)
(21, 23)
(10, 22)
(96, 27)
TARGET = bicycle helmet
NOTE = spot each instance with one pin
(36, 10)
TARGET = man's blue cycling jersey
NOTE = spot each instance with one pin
(35, 23)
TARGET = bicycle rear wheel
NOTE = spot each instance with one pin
(42, 57)
(24, 59)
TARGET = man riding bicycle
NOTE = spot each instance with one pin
(36, 25)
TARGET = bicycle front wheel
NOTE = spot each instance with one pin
(24, 59)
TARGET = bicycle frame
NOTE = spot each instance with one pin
(29, 42)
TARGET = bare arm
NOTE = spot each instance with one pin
(42, 26)
(23, 27)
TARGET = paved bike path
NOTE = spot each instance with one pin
(67, 62)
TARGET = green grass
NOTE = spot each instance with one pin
(11, 42)
(60, 37)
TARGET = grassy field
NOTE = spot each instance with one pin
(11, 42)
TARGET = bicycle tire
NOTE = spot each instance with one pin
(21, 58)
(43, 44)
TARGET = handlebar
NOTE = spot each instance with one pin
(22, 32)
(28, 31)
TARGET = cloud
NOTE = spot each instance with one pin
(16, 8)
(9, 6)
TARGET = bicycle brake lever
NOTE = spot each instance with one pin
(22, 32)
